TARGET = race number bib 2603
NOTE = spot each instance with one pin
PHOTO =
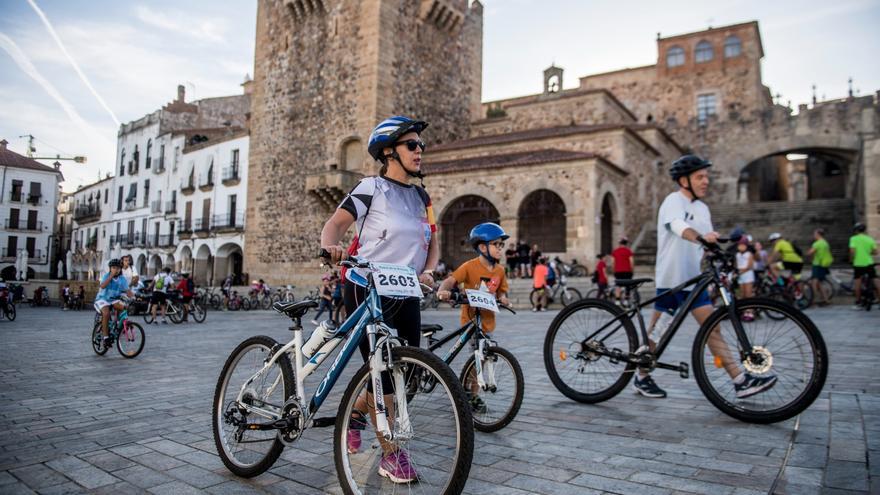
(395, 280)
(482, 300)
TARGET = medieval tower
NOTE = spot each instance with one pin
(325, 73)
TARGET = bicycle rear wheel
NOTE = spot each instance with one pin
(495, 408)
(10, 312)
(130, 341)
(570, 295)
(245, 452)
(578, 271)
(792, 349)
(175, 312)
(438, 439)
(578, 362)
(97, 336)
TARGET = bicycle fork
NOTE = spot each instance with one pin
(481, 364)
(378, 364)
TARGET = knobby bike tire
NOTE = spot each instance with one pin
(220, 402)
(463, 418)
(519, 386)
(138, 331)
(96, 345)
(551, 353)
(740, 409)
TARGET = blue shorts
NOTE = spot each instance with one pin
(672, 301)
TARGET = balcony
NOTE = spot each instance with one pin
(228, 223)
(35, 256)
(166, 240)
(170, 207)
(93, 243)
(34, 199)
(24, 225)
(131, 204)
(158, 165)
(202, 225)
(187, 186)
(330, 187)
(185, 230)
(206, 182)
(133, 167)
(87, 213)
(230, 175)
(156, 207)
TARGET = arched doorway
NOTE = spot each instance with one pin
(141, 266)
(541, 220)
(229, 261)
(155, 265)
(9, 273)
(186, 259)
(797, 175)
(456, 223)
(609, 208)
(204, 265)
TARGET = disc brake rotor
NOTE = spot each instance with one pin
(760, 361)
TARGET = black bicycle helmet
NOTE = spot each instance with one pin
(114, 262)
(859, 227)
(686, 165)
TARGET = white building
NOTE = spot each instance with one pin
(28, 204)
(91, 219)
(178, 194)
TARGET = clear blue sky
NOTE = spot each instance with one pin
(136, 53)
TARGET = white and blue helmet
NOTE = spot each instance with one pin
(389, 131)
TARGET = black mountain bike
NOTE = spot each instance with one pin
(494, 384)
(592, 349)
(867, 297)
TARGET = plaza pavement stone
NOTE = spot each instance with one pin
(75, 422)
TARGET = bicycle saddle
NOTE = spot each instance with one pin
(428, 330)
(294, 309)
(633, 282)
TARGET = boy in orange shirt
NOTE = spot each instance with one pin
(539, 281)
(483, 273)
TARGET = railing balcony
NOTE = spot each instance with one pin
(84, 213)
(34, 256)
(158, 165)
(171, 207)
(156, 207)
(206, 182)
(185, 228)
(34, 199)
(202, 225)
(131, 205)
(24, 225)
(233, 222)
(166, 240)
(230, 175)
(187, 186)
(133, 167)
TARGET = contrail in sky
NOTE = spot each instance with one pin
(82, 76)
(28, 68)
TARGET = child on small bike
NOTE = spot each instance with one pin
(113, 286)
(485, 273)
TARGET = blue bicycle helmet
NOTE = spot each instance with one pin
(486, 233)
(389, 131)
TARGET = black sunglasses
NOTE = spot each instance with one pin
(412, 144)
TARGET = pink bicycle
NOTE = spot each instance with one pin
(128, 335)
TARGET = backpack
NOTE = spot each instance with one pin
(190, 286)
(797, 249)
(160, 282)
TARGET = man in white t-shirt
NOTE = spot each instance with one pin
(682, 221)
(161, 283)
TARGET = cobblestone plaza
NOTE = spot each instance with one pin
(74, 422)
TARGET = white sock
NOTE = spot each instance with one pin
(739, 378)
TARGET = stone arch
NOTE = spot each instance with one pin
(9, 273)
(155, 264)
(141, 265)
(186, 258)
(541, 219)
(352, 153)
(458, 218)
(229, 260)
(170, 261)
(203, 267)
(608, 214)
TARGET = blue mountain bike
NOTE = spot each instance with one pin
(260, 403)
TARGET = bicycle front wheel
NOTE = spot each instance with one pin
(570, 295)
(97, 336)
(10, 312)
(199, 312)
(496, 407)
(130, 341)
(579, 346)
(175, 312)
(432, 444)
(791, 349)
(247, 452)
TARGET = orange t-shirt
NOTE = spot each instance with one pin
(472, 275)
(539, 276)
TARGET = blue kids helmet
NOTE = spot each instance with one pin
(486, 233)
(389, 131)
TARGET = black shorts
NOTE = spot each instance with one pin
(158, 297)
(859, 271)
(793, 266)
(623, 275)
(403, 315)
(186, 299)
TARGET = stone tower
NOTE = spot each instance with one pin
(325, 73)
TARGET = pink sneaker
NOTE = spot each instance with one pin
(396, 467)
(354, 441)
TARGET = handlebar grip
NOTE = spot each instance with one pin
(323, 253)
(507, 308)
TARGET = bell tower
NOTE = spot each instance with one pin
(325, 73)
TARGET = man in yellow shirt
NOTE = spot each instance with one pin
(784, 251)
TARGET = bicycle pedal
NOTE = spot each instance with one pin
(324, 422)
(683, 370)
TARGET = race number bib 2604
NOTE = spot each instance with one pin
(395, 280)
(482, 300)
